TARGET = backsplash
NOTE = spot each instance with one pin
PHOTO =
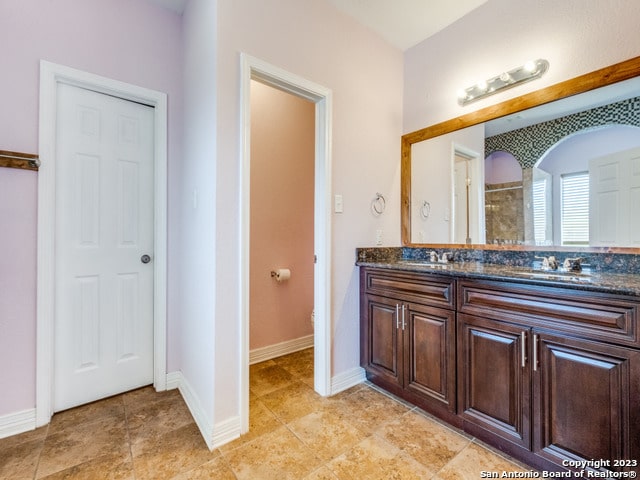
(599, 262)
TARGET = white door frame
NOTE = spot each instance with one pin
(50, 75)
(253, 68)
(476, 198)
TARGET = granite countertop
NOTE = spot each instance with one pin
(615, 283)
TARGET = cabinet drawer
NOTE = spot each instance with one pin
(598, 316)
(426, 289)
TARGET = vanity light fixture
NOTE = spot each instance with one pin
(524, 73)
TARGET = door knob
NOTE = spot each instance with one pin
(145, 258)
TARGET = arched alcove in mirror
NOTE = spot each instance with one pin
(587, 186)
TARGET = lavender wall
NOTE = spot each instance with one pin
(501, 167)
(576, 36)
(128, 40)
(17, 289)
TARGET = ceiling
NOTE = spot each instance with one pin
(403, 23)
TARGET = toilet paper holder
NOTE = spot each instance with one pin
(281, 274)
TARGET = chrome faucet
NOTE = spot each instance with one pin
(549, 263)
(444, 258)
(573, 264)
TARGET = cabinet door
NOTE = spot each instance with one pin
(430, 354)
(494, 377)
(382, 342)
(587, 400)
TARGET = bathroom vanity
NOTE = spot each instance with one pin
(543, 366)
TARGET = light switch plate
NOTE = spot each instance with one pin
(337, 204)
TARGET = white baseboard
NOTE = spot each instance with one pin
(173, 380)
(347, 379)
(263, 354)
(18, 422)
(226, 431)
(213, 435)
(197, 412)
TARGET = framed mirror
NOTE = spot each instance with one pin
(523, 174)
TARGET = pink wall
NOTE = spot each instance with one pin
(282, 186)
(128, 40)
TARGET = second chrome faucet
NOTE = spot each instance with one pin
(445, 258)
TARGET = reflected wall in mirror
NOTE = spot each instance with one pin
(553, 168)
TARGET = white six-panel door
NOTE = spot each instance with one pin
(104, 227)
(614, 193)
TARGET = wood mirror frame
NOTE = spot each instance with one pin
(596, 79)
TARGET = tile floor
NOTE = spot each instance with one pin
(360, 434)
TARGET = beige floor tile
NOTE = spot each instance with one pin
(30, 436)
(278, 455)
(426, 440)
(261, 421)
(376, 459)
(299, 365)
(19, 460)
(112, 407)
(155, 420)
(323, 473)
(143, 397)
(292, 401)
(327, 435)
(216, 469)
(268, 378)
(367, 409)
(361, 433)
(174, 452)
(108, 467)
(473, 460)
(87, 441)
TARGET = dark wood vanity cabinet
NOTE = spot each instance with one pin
(494, 389)
(531, 377)
(586, 400)
(408, 337)
(547, 374)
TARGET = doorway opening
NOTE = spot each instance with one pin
(266, 74)
(281, 243)
(467, 225)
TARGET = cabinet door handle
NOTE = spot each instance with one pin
(397, 316)
(403, 307)
(535, 352)
(523, 348)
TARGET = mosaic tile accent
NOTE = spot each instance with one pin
(529, 144)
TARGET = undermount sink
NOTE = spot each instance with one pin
(552, 275)
(424, 263)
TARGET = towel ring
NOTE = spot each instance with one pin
(378, 204)
(425, 210)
